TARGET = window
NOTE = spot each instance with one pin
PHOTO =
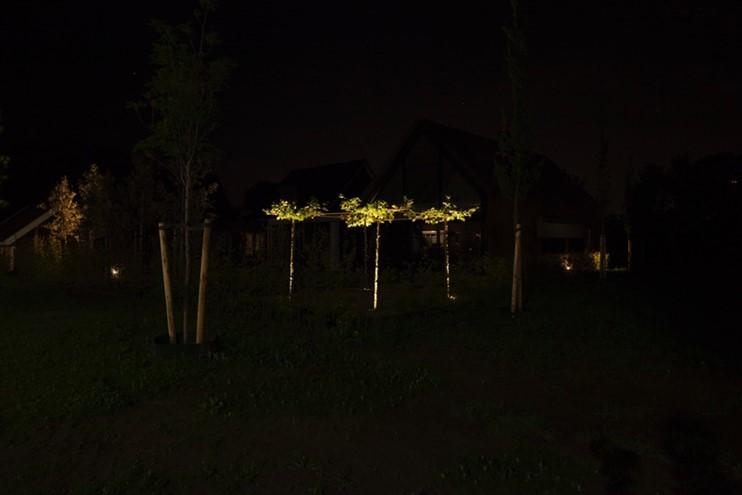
(431, 237)
(553, 246)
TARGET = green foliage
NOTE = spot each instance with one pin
(182, 98)
(448, 212)
(516, 170)
(358, 214)
(288, 210)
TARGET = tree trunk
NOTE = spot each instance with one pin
(628, 254)
(446, 259)
(376, 266)
(515, 290)
(520, 272)
(365, 257)
(603, 260)
(186, 254)
(516, 293)
(291, 259)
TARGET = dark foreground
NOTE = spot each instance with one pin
(593, 390)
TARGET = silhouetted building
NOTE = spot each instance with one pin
(436, 161)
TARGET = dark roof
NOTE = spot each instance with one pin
(259, 196)
(326, 182)
(17, 221)
(323, 183)
(473, 155)
(562, 196)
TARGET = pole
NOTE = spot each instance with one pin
(202, 282)
(166, 285)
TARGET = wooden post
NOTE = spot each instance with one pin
(202, 282)
(166, 284)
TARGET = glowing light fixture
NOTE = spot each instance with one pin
(115, 272)
(566, 264)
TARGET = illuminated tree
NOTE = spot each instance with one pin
(288, 211)
(66, 215)
(181, 99)
(373, 213)
(448, 212)
(516, 170)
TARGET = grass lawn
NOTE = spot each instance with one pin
(592, 390)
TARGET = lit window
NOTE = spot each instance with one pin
(432, 236)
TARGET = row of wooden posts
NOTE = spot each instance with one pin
(200, 315)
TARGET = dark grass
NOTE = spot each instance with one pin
(594, 388)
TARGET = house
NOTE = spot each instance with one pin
(22, 230)
(433, 162)
(436, 161)
(263, 235)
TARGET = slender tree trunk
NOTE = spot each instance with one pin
(628, 254)
(515, 291)
(291, 259)
(186, 254)
(520, 272)
(603, 260)
(446, 259)
(376, 266)
(365, 257)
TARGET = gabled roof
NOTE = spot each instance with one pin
(471, 154)
(21, 223)
(325, 182)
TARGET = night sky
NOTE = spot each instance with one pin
(333, 82)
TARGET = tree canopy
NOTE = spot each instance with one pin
(358, 214)
(448, 212)
(288, 210)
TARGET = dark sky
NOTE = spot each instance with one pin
(320, 82)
